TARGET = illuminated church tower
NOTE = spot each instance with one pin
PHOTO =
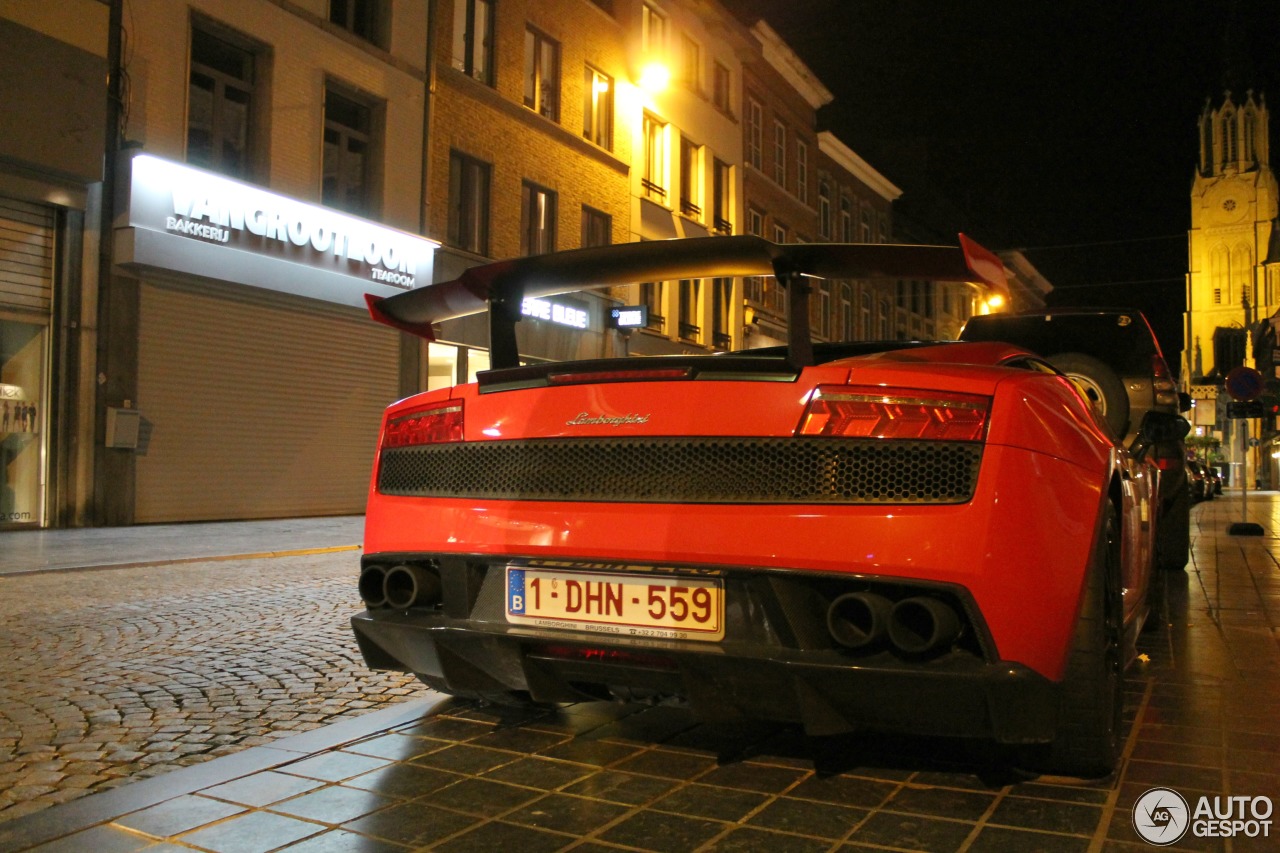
(1230, 285)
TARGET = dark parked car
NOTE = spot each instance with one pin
(1199, 481)
(1113, 355)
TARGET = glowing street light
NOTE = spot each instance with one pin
(654, 77)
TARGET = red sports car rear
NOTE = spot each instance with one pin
(936, 539)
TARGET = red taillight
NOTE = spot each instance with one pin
(611, 656)
(426, 426)
(895, 413)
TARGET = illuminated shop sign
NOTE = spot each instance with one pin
(629, 317)
(283, 243)
(563, 312)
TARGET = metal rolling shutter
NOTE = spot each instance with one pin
(256, 405)
(26, 256)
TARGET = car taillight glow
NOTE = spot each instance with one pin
(438, 424)
(656, 374)
(895, 413)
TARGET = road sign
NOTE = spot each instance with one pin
(1245, 383)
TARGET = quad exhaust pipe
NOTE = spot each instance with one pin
(914, 627)
(400, 587)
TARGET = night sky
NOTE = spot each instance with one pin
(1064, 128)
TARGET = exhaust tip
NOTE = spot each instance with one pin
(372, 586)
(920, 626)
(412, 586)
(858, 619)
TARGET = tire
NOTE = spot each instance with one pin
(1173, 534)
(1101, 385)
(1087, 741)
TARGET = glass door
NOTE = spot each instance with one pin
(23, 419)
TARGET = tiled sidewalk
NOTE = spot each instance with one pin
(449, 776)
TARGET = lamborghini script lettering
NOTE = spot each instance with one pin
(587, 419)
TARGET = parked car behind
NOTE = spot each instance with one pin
(1198, 481)
(1115, 358)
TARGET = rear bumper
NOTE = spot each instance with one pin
(778, 660)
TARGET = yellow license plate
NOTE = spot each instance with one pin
(670, 607)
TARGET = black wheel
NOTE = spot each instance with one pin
(1173, 534)
(1101, 385)
(1087, 742)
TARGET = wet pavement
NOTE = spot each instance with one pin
(435, 773)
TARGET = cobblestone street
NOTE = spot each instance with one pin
(108, 676)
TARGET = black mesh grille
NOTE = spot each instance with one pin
(688, 470)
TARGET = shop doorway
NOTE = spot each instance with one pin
(23, 416)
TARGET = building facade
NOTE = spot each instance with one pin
(185, 253)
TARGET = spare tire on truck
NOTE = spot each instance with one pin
(1100, 383)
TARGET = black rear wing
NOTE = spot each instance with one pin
(502, 286)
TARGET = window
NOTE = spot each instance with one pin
(653, 31)
(824, 208)
(597, 109)
(651, 294)
(754, 285)
(537, 220)
(824, 310)
(541, 74)
(846, 313)
(780, 153)
(606, 5)
(468, 203)
(722, 88)
(779, 233)
(359, 17)
(722, 189)
(864, 316)
(866, 226)
(721, 311)
(220, 105)
(802, 171)
(473, 39)
(690, 178)
(691, 59)
(654, 178)
(347, 154)
(882, 322)
(690, 296)
(846, 220)
(755, 134)
(597, 227)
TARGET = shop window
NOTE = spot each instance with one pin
(722, 197)
(537, 220)
(348, 154)
(220, 106)
(477, 362)
(597, 108)
(722, 88)
(690, 178)
(473, 39)
(22, 421)
(363, 18)
(654, 178)
(597, 228)
(541, 74)
(468, 203)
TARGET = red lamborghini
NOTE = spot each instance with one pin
(926, 538)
